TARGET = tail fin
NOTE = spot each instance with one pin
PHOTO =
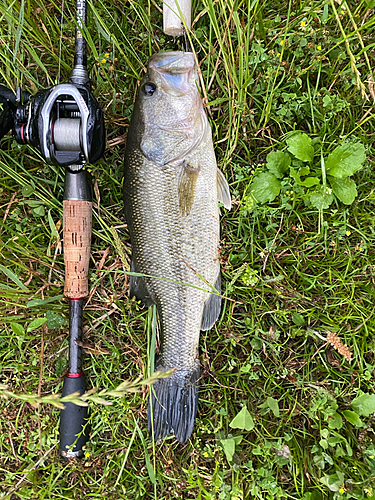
(174, 404)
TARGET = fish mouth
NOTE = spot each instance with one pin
(177, 71)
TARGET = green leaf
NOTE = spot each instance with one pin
(55, 320)
(17, 329)
(321, 198)
(324, 433)
(334, 481)
(39, 211)
(273, 405)
(36, 323)
(295, 174)
(256, 343)
(229, 446)
(265, 187)
(300, 145)
(327, 101)
(336, 439)
(52, 225)
(13, 277)
(34, 203)
(243, 420)
(298, 319)
(345, 189)
(305, 170)
(42, 302)
(370, 4)
(257, 450)
(335, 421)
(310, 181)
(278, 163)
(364, 405)
(353, 418)
(28, 190)
(150, 469)
(238, 439)
(345, 160)
(60, 366)
(246, 368)
(324, 444)
(149, 466)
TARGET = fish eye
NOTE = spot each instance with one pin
(149, 88)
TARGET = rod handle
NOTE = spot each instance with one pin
(73, 419)
(77, 216)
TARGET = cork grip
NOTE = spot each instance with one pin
(77, 246)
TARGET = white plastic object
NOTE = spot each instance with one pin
(173, 13)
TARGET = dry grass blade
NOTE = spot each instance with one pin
(371, 87)
(341, 348)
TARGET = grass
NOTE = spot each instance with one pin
(266, 69)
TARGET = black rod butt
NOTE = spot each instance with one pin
(73, 419)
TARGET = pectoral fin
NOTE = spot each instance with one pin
(187, 183)
(223, 193)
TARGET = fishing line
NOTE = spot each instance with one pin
(60, 44)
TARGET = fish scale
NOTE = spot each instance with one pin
(171, 192)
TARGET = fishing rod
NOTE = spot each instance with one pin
(66, 124)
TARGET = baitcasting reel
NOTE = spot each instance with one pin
(64, 122)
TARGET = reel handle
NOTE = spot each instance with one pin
(8, 107)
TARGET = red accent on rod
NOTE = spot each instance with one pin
(75, 375)
(22, 134)
(71, 298)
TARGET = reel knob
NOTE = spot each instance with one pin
(8, 107)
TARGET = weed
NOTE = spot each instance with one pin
(318, 184)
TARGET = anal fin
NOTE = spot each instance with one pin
(212, 307)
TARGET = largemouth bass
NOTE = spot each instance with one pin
(171, 191)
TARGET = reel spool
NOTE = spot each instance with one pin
(66, 134)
